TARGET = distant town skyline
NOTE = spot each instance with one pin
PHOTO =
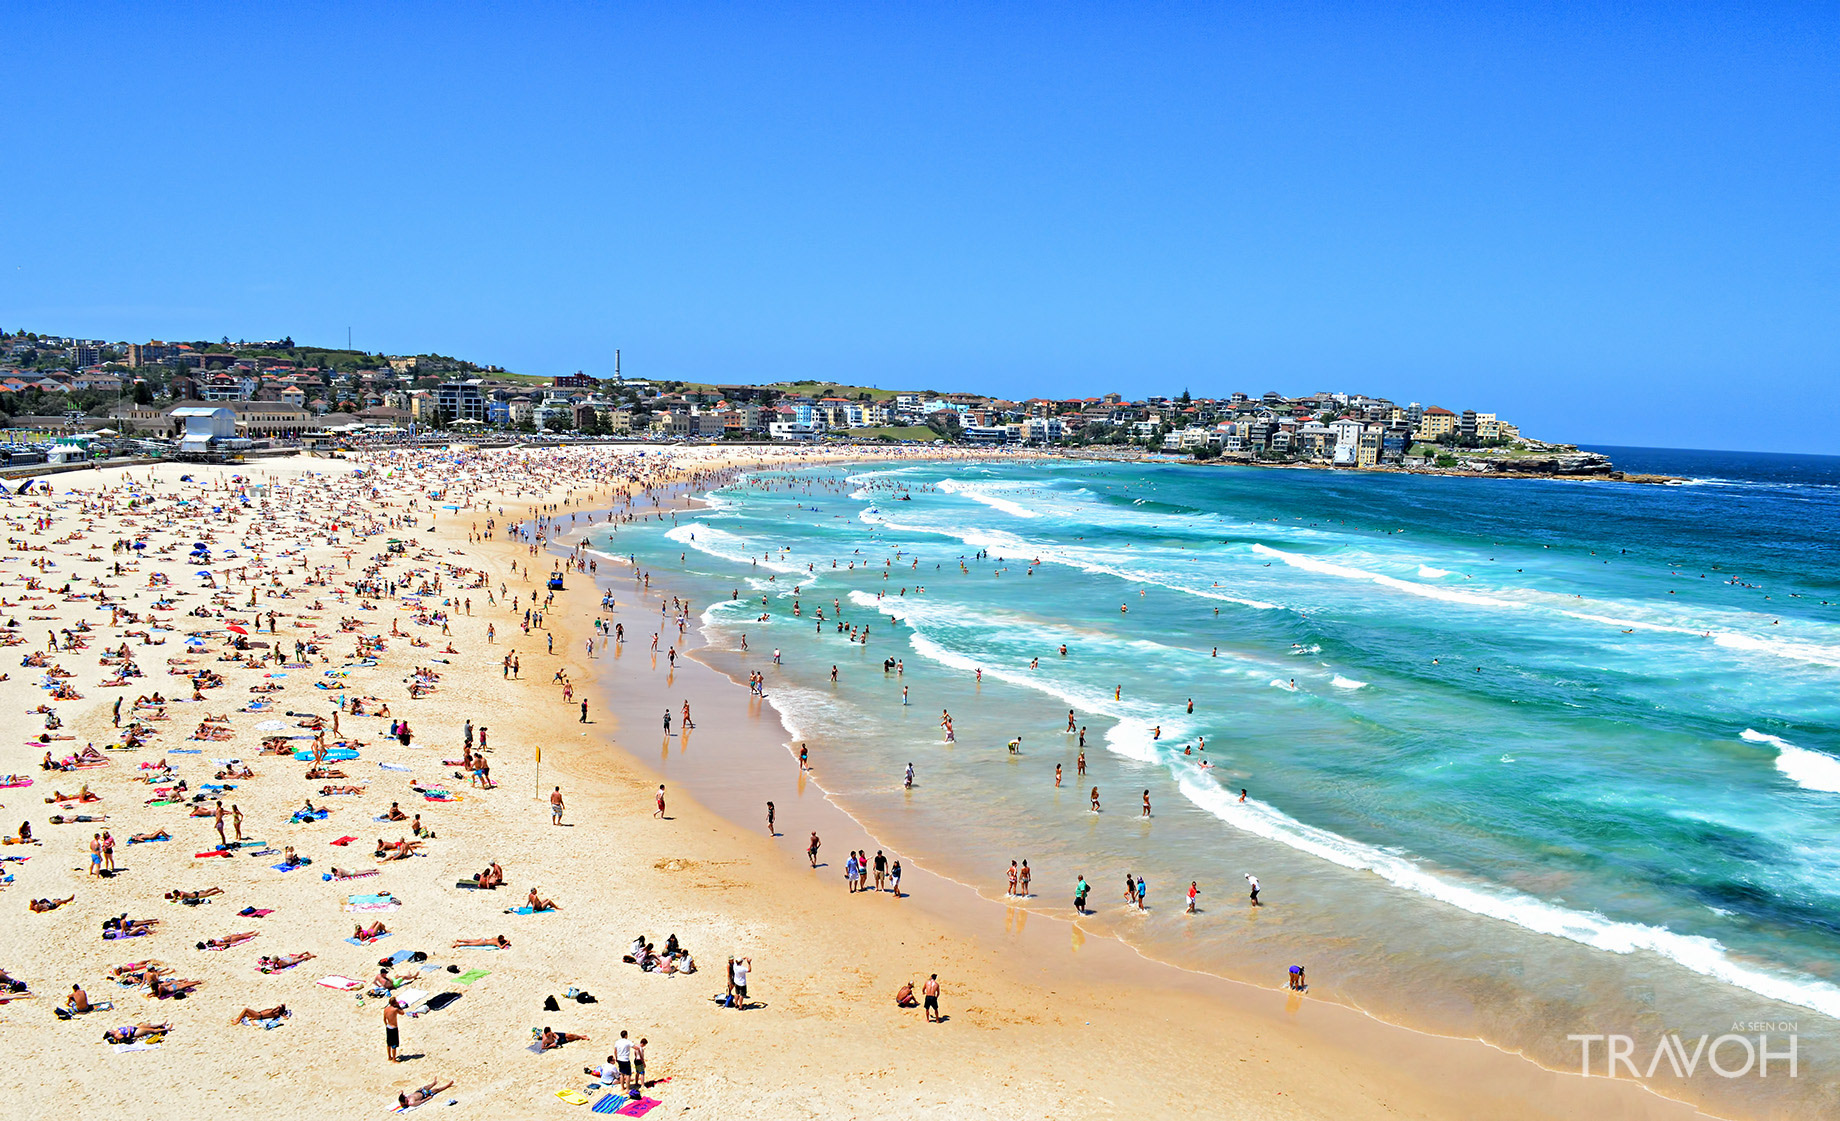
(1610, 223)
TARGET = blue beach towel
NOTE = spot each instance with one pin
(355, 942)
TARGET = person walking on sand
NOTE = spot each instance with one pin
(770, 831)
(1080, 891)
(811, 850)
(930, 991)
(236, 820)
(1254, 881)
(738, 974)
(391, 1037)
(219, 819)
(659, 812)
(667, 721)
(555, 806)
(1194, 890)
(584, 711)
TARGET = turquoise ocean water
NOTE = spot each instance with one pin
(1521, 758)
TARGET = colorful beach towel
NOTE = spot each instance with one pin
(367, 941)
(638, 1107)
(472, 975)
(343, 984)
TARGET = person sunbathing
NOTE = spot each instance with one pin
(491, 877)
(328, 791)
(325, 772)
(249, 1015)
(227, 941)
(42, 905)
(121, 926)
(162, 988)
(132, 1032)
(537, 903)
(396, 850)
(550, 1040)
(138, 972)
(370, 933)
(177, 895)
(498, 941)
(76, 819)
(232, 772)
(78, 1000)
(142, 838)
(395, 814)
(268, 964)
(418, 1096)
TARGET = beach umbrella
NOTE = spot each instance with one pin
(234, 629)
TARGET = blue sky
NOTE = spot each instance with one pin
(1615, 223)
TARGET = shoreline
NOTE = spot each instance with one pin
(1001, 927)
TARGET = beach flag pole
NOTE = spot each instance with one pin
(539, 770)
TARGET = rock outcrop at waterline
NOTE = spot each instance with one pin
(1555, 463)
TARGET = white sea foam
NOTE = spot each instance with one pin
(983, 492)
(1428, 591)
(1341, 682)
(1810, 770)
(1780, 648)
(706, 538)
(1427, 572)
(1702, 955)
(1086, 560)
